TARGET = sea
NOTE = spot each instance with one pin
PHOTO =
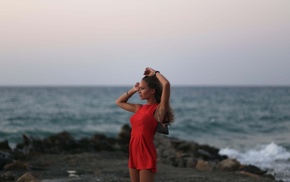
(248, 123)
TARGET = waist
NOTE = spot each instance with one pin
(147, 134)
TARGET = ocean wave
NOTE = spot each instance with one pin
(271, 157)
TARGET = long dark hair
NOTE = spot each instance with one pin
(154, 83)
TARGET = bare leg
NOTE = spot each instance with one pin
(134, 175)
(146, 176)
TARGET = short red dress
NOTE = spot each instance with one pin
(142, 152)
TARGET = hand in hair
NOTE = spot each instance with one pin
(149, 72)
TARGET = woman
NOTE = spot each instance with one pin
(154, 88)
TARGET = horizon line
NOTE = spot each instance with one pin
(127, 85)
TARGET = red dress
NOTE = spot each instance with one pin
(142, 152)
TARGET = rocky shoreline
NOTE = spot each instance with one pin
(60, 157)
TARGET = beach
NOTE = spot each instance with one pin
(112, 167)
(100, 158)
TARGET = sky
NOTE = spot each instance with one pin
(111, 42)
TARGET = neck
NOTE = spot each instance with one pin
(151, 101)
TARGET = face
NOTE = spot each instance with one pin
(144, 91)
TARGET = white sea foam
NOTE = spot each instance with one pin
(271, 157)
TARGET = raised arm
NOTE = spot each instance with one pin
(122, 100)
(163, 106)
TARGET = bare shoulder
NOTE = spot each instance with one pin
(137, 107)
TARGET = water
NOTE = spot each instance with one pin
(250, 124)
(271, 157)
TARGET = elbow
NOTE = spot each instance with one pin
(117, 102)
(166, 84)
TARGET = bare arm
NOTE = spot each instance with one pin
(163, 106)
(122, 100)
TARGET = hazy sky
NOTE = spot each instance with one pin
(110, 42)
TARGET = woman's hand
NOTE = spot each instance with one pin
(136, 87)
(149, 72)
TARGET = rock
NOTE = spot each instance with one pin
(84, 145)
(125, 134)
(27, 177)
(172, 161)
(190, 148)
(17, 165)
(205, 155)
(202, 165)
(60, 142)
(30, 145)
(162, 140)
(19, 155)
(210, 149)
(207, 152)
(101, 142)
(252, 169)
(191, 162)
(64, 143)
(249, 174)
(4, 146)
(181, 162)
(7, 176)
(166, 153)
(229, 165)
(5, 158)
(180, 153)
(124, 138)
(176, 142)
